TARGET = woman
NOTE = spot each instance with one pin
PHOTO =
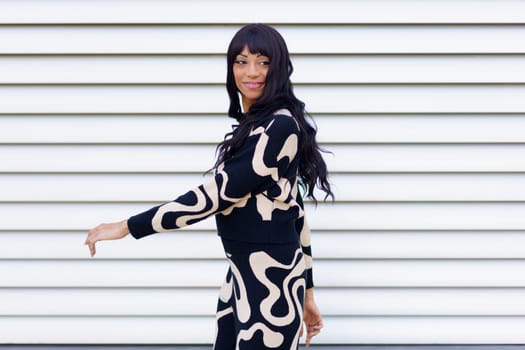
(254, 195)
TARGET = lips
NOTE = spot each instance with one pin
(253, 85)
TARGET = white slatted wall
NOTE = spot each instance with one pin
(109, 107)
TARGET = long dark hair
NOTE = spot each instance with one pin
(278, 93)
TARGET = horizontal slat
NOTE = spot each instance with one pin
(423, 330)
(199, 158)
(113, 99)
(101, 129)
(104, 273)
(428, 187)
(109, 302)
(347, 187)
(162, 330)
(49, 245)
(328, 273)
(95, 187)
(419, 245)
(107, 330)
(200, 330)
(179, 158)
(430, 158)
(421, 301)
(214, 39)
(111, 69)
(326, 245)
(202, 302)
(319, 99)
(203, 12)
(421, 128)
(376, 128)
(357, 216)
(409, 69)
(141, 69)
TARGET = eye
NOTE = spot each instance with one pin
(264, 63)
(241, 62)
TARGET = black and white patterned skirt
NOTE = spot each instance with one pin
(261, 301)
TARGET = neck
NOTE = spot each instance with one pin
(246, 105)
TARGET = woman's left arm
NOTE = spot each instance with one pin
(303, 230)
(312, 316)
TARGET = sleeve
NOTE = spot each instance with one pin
(303, 230)
(262, 160)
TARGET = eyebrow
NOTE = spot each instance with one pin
(243, 55)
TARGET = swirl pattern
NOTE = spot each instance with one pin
(262, 297)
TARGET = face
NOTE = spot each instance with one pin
(249, 71)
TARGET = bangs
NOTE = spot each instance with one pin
(255, 40)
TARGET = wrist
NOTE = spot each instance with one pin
(309, 294)
(124, 229)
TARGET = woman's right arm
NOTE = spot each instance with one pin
(254, 167)
(262, 160)
(104, 232)
(193, 206)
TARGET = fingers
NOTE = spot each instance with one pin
(91, 246)
(312, 331)
(91, 240)
(92, 249)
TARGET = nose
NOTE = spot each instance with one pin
(253, 70)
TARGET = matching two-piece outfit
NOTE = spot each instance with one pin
(259, 211)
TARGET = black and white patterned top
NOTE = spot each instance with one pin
(253, 195)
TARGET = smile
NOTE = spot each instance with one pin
(253, 86)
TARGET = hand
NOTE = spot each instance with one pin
(312, 317)
(104, 232)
